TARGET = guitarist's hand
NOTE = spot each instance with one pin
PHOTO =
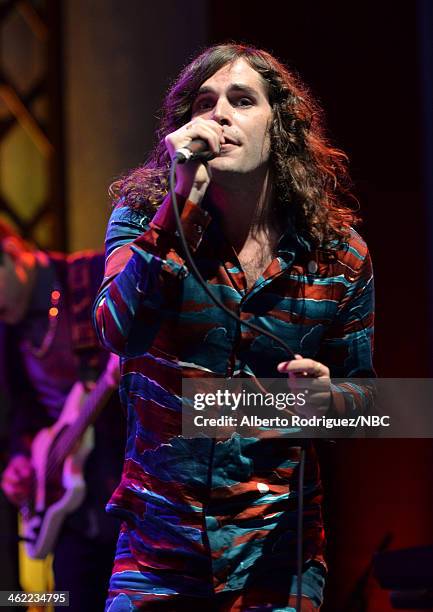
(111, 374)
(112, 371)
(17, 480)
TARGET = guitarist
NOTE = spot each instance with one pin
(45, 300)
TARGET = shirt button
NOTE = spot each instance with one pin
(199, 229)
(312, 267)
(212, 523)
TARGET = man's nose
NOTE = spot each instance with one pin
(222, 112)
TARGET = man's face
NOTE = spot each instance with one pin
(15, 285)
(235, 97)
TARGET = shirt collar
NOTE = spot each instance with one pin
(292, 243)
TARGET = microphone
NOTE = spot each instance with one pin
(196, 149)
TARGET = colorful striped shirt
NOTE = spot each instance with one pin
(215, 515)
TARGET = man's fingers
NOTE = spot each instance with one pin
(207, 129)
(303, 367)
(11, 477)
(207, 133)
(317, 405)
(15, 478)
(18, 472)
(23, 471)
(17, 494)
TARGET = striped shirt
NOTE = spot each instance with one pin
(220, 514)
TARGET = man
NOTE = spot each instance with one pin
(209, 524)
(45, 300)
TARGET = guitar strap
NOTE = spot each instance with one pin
(85, 274)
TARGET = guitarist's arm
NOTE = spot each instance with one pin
(17, 479)
(27, 417)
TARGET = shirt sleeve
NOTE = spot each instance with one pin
(347, 348)
(143, 270)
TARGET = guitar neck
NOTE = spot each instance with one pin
(89, 412)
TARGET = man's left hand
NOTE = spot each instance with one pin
(319, 389)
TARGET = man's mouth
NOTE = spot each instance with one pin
(230, 141)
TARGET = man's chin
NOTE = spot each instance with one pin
(224, 165)
(222, 161)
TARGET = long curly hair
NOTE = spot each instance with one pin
(311, 181)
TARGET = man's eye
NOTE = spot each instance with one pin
(244, 102)
(203, 105)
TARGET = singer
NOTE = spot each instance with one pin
(211, 525)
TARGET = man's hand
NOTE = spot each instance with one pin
(193, 178)
(319, 389)
(112, 371)
(17, 480)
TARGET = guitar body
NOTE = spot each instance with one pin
(58, 490)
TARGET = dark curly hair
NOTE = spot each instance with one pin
(311, 182)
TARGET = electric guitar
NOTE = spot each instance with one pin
(58, 456)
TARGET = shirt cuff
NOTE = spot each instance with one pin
(193, 218)
(338, 404)
(161, 240)
(194, 223)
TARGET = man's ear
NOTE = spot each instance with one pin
(23, 254)
(23, 258)
(12, 247)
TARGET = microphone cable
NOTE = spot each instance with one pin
(177, 159)
(193, 268)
